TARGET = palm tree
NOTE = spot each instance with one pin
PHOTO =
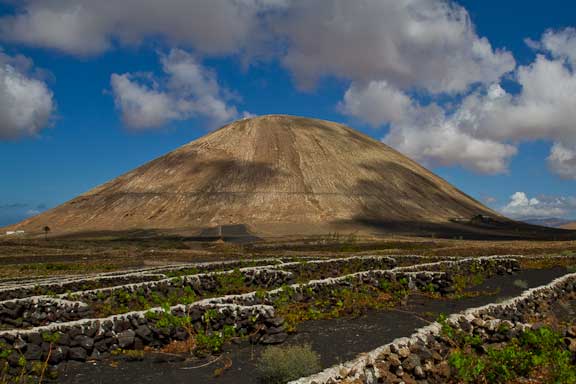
(46, 230)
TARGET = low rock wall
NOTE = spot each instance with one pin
(52, 286)
(422, 357)
(61, 287)
(418, 277)
(30, 313)
(323, 269)
(43, 310)
(96, 338)
(249, 314)
(25, 313)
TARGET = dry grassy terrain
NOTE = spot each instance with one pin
(34, 257)
(570, 226)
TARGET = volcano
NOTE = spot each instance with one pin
(272, 175)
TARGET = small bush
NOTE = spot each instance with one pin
(279, 365)
(540, 353)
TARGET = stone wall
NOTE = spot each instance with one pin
(25, 313)
(61, 285)
(422, 357)
(335, 267)
(43, 310)
(96, 338)
(440, 279)
(251, 314)
(30, 313)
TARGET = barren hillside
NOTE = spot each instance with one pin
(275, 174)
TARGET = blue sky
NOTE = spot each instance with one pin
(92, 91)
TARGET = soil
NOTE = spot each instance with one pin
(336, 340)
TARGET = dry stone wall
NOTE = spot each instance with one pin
(62, 326)
(35, 322)
(94, 338)
(422, 357)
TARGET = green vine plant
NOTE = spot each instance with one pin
(201, 341)
(534, 354)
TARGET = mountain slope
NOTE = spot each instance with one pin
(275, 174)
(551, 222)
(570, 226)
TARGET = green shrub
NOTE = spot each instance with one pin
(279, 365)
(541, 351)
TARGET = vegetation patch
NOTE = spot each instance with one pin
(540, 355)
(338, 302)
(279, 365)
(113, 302)
(199, 340)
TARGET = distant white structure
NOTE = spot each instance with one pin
(14, 233)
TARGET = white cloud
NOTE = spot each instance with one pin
(26, 102)
(141, 105)
(375, 102)
(387, 49)
(480, 131)
(542, 110)
(560, 44)
(427, 134)
(562, 161)
(87, 27)
(188, 90)
(426, 44)
(521, 206)
(489, 199)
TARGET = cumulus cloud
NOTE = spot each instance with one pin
(481, 130)
(375, 102)
(442, 142)
(562, 161)
(187, 90)
(141, 105)
(387, 50)
(560, 44)
(26, 102)
(427, 44)
(86, 27)
(522, 206)
(381, 46)
(542, 110)
(426, 133)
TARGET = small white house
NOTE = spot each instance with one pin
(14, 233)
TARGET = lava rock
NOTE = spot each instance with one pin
(126, 338)
(78, 354)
